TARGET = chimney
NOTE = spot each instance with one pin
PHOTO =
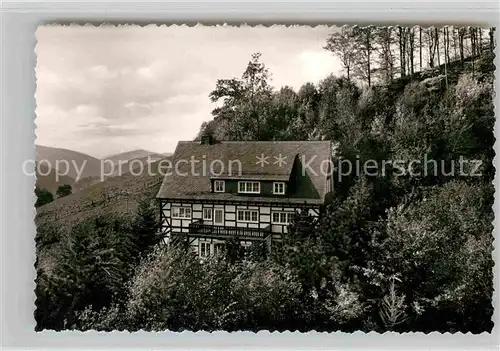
(207, 140)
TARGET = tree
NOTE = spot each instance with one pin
(145, 227)
(491, 33)
(94, 261)
(246, 101)
(440, 249)
(437, 34)
(392, 309)
(172, 290)
(258, 251)
(347, 239)
(266, 296)
(63, 190)
(284, 116)
(473, 41)
(461, 39)
(303, 251)
(234, 252)
(480, 40)
(411, 49)
(164, 291)
(431, 35)
(207, 129)
(342, 44)
(364, 41)
(308, 99)
(446, 39)
(43, 196)
(454, 35)
(401, 36)
(420, 46)
(384, 40)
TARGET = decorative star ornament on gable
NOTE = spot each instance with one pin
(280, 160)
(262, 160)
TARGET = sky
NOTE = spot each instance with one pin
(110, 89)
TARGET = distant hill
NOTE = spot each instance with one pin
(127, 161)
(91, 165)
(91, 173)
(130, 155)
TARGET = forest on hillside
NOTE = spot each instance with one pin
(392, 252)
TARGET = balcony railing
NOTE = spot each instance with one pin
(198, 228)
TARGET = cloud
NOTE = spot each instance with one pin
(104, 89)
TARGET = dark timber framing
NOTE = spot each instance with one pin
(197, 231)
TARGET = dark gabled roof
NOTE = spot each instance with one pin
(270, 177)
(240, 161)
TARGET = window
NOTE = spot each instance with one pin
(218, 216)
(204, 249)
(249, 187)
(219, 186)
(207, 214)
(181, 212)
(282, 217)
(218, 248)
(248, 216)
(279, 188)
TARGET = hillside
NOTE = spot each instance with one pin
(85, 182)
(91, 165)
(481, 66)
(116, 195)
(49, 181)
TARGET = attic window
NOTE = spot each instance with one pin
(278, 188)
(219, 186)
(249, 187)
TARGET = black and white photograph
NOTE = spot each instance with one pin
(264, 178)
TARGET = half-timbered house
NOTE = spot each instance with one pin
(215, 190)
